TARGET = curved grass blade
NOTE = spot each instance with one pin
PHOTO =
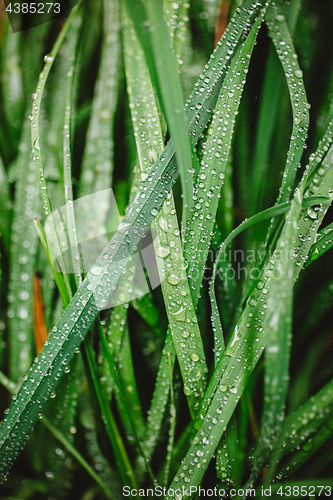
(279, 32)
(58, 277)
(123, 463)
(172, 424)
(82, 311)
(220, 262)
(160, 398)
(268, 114)
(118, 339)
(277, 330)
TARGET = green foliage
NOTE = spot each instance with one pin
(218, 376)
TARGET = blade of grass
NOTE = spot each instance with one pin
(11, 387)
(214, 163)
(220, 262)
(12, 85)
(6, 208)
(21, 265)
(172, 424)
(277, 329)
(123, 463)
(97, 163)
(309, 448)
(323, 243)
(279, 32)
(302, 424)
(167, 244)
(268, 112)
(231, 39)
(67, 160)
(161, 62)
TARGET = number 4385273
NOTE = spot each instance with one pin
(33, 8)
(304, 491)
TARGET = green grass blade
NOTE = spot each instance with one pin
(302, 424)
(24, 245)
(167, 244)
(163, 70)
(277, 329)
(63, 440)
(160, 398)
(12, 85)
(97, 163)
(122, 460)
(117, 336)
(268, 112)
(176, 19)
(172, 424)
(37, 97)
(214, 163)
(323, 243)
(279, 32)
(67, 160)
(172, 98)
(6, 208)
(309, 448)
(8, 384)
(226, 455)
(58, 277)
(220, 265)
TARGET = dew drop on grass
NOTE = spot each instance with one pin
(173, 279)
(187, 391)
(313, 212)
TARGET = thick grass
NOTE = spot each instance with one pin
(221, 376)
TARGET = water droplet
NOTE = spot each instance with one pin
(313, 212)
(173, 279)
(48, 58)
(96, 270)
(162, 252)
(187, 390)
